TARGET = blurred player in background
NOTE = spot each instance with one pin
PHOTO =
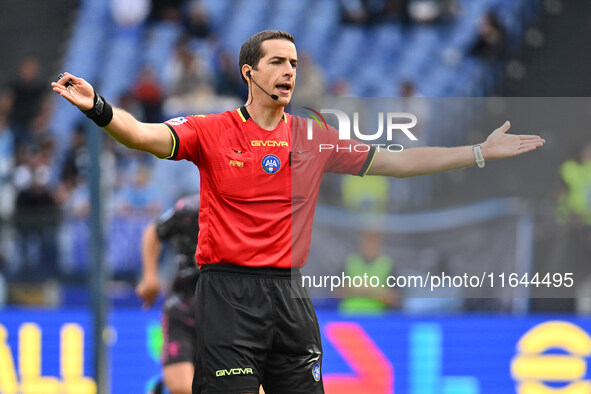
(179, 225)
(255, 324)
(369, 260)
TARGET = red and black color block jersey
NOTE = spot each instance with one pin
(258, 187)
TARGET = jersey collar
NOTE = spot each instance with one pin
(244, 115)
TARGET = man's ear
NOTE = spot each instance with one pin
(246, 70)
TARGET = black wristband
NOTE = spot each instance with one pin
(101, 113)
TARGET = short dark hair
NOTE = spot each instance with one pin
(251, 52)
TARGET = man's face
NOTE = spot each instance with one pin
(276, 71)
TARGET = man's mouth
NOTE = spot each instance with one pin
(284, 88)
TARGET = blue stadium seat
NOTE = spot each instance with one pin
(320, 28)
(345, 51)
(247, 19)
(218, 11)
(122, 62)
(159, 45)
(288, 15)
(387, 38)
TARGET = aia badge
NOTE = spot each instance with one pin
(316, 371)
(271, 164)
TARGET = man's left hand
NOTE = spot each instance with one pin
(500, 145)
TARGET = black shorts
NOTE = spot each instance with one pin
(256, 326)
(178, 329)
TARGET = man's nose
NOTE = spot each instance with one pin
(289, 70)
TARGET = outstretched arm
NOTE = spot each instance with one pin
(431, 160)
(154, 138)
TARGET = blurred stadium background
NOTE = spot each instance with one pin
(163, 58)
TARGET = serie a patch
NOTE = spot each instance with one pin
(176, 121)
(271, 164)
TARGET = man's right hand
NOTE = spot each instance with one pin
(148, 290)
(81, 94)
(154, 138)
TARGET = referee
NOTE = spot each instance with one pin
(260, 177)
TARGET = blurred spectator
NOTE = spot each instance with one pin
(368, 195)
(361, 12)
(431, 11)
(396, 10)
(3, 285)
(340, 88)
(310, 81)
(76, 160)
(227, 77)
(354, 11)
(412, 192)
(192, 85)
(196, 21)
(74, 234)
(135, 206)
(26, 102)
(490, 43)
(73, 196)
(574, 210)
(130, 103)
(6, 166)
(424, 11)
(166, 10)
(414, 103)
(46, 145)
(130, 13)
(575, 203)
(75, 166)
(408, 89)
(449, 10)
(36, 217)
(185, 73)
(6, 140)
(76, 170)
(141, 198)
(149, 94)
(369, 262)
(364, 12)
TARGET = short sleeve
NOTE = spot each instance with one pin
(166, 224)
(187, 134)
(348, 156)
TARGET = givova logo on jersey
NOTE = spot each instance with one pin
(271, 164)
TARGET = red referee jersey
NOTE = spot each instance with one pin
(259, 187)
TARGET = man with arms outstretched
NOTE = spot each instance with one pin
(260, 177)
